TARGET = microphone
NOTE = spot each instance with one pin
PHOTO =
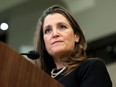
(32, 54)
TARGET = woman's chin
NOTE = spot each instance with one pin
(58, 51)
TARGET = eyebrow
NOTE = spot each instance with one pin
(62, 23)
(48, 26)
(59, 23)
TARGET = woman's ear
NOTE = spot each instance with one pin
(77, 38)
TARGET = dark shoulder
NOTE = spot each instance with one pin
(92, 61)
(91, 64)
(92, 70)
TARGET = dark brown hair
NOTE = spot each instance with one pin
(75, 58)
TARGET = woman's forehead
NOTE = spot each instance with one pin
(57, 17)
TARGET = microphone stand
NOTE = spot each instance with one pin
(32, 55)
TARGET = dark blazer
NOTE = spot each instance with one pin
(92, 73)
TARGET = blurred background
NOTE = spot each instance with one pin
(97, 18)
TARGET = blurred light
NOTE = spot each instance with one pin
(4, 26)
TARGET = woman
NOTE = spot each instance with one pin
(62, 48)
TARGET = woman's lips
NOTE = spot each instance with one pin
(56, 42)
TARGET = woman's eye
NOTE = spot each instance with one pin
(62, 27)
(48, 30)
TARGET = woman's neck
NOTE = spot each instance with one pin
(59, 64)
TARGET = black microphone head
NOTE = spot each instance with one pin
(33, 54)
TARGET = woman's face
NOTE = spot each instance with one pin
(58, 35)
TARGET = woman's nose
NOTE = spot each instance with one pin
(55, 33)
